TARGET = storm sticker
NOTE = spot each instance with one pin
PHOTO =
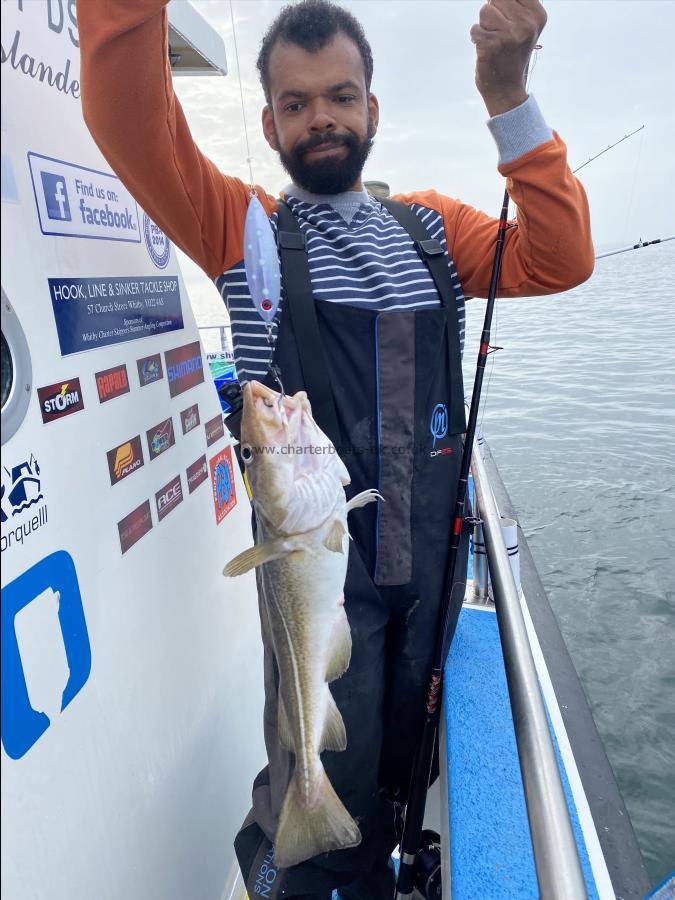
(60, 399)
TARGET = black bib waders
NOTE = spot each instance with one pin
(386, 387)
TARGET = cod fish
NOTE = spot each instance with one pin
(297, 485)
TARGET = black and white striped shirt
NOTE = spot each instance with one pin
(368, 262)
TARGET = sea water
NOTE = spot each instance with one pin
(580, 417)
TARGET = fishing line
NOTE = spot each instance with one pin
(249, 158)
(632, 190)
(261, 259)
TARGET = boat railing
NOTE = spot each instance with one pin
(223, 336)
(553, 843)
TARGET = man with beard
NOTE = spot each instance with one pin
(383, 330)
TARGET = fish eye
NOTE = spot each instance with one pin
(246, 453)
(268, 402)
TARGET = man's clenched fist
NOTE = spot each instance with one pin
(505, 36)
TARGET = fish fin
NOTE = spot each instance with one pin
(341, 648)
(284, 727)
(334, 735)
(314, 825)
(334, 538)
(364, 498)
(256, 556)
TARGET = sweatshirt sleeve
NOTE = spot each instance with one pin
(138, 124)
(547, 249)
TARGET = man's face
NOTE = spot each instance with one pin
(321, 119)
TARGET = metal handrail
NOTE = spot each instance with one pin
(555, 850)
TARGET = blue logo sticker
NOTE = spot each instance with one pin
(46, 656)
(438, 426)
(158, 244)
(56, 196)
(223, 484)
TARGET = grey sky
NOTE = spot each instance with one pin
(606, 67)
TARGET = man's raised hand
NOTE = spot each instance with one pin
(505, 36)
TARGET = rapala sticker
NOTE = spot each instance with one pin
(197, 473)
(215, 430)
(189, 418)
(111, 383)
(42, 620)
(150, 369)
(184, 368)
(157, 243)
(222, 482)
(160, 438)
(168, 497)
(60, 399)
(23, 506)
(134, 526)
(125, 459)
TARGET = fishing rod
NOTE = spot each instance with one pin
(610, 147)
(414, 816)
(640, 244)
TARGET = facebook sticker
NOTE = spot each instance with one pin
(56, 196)
(46, 656)
(80, 202)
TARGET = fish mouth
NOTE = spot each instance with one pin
(270, 416)
(259, 393)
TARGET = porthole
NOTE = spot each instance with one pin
(17, 372)
(7, 371)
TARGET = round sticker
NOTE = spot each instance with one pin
(158, 244)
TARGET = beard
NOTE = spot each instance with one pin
(328, 176)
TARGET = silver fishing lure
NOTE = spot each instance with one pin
(261, 261)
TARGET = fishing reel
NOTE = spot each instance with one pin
(428, 881)
(231, 394)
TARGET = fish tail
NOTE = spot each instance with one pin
(308, 827)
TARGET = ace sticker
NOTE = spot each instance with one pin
(222, 482)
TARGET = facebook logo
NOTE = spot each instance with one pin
(46, 655)
(56, 196)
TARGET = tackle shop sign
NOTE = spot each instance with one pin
(96, 312)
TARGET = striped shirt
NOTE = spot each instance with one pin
(369, 263)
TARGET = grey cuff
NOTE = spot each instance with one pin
(519, 130)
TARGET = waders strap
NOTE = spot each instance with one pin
(299, 301)
(434, 258)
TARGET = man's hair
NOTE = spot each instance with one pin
(311, 24)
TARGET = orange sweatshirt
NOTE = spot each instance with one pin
(135, 118)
